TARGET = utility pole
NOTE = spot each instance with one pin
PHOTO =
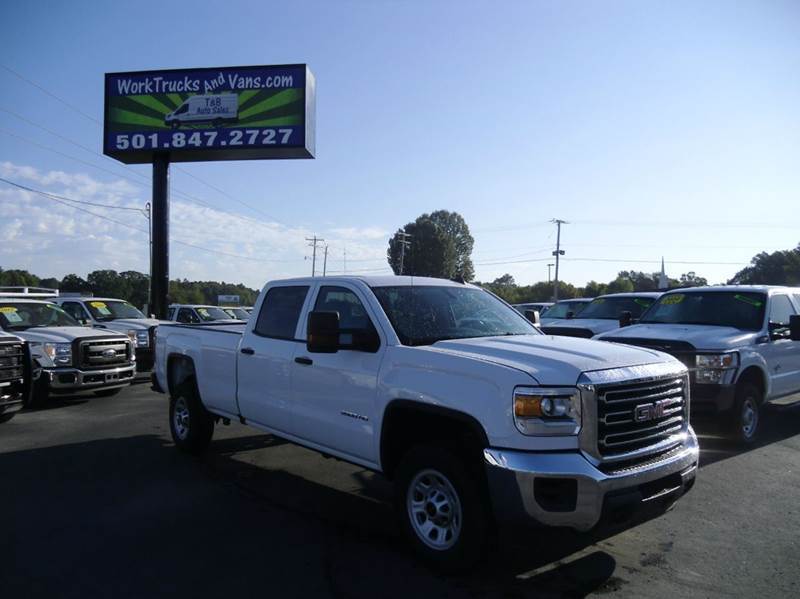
(313, 243)
(148, 215)
(549, 266)
(404, 241)
(325, 262)
(557, 253)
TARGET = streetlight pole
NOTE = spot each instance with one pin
(557, 253)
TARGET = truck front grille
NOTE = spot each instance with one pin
(12, 362)
(105, 353)
(634, 416)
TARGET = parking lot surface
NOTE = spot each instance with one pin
(96, 502)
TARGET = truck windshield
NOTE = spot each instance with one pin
(238, 313)
(108, 310)
(26, 315)
(716, 308)
(561, 308)
(426, 314)
(611, 308)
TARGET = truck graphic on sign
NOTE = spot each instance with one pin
(205, 108)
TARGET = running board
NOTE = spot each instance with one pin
(787, 401)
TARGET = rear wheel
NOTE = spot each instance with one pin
(745, 420)
(108, 392)
(190, 423)
(441, 508)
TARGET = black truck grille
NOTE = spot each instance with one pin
(685, 352)
(12, 362)
(104, 353)
(634, 416)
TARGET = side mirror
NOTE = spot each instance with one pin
(794, 327)
(625, 319)
(533, 316)
(570, 315)
(323, 332)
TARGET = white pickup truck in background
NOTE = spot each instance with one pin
(115, 315)
(196, 313)
(740, 343)
(604, 313)
(474, 414)
(73, 358)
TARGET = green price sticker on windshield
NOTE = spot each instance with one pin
(748, 300)
(673, 299)
(642, 302)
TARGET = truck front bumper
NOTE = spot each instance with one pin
(565, 489)
(67, 380)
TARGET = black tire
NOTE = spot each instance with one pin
(38, 395)
(460, 546)
(108, 392)
(745, 419)
(6, 417)
(189, 422)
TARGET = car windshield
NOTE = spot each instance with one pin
(611, 308)
(112, 310)
(208, 313)
(238, 313)
(23, 315)
(422, 315)
(561, 308)
(716, 308)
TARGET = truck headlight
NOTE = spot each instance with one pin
(712, 369)
(547, 411)
(139, 338)
(60, 354)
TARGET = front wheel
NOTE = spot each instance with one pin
(441, 508)
(190, 423)
(38, 395)
(746, 417)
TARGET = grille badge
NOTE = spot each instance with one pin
(110, 353)
(649, 411)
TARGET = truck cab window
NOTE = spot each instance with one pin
(780, 310)
(75, 310)
(352, 314)
(280, 312)
(187, 316)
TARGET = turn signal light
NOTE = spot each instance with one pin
(528, 406)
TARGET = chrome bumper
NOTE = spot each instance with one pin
(513, 477)
(73, 379)
(10, 403)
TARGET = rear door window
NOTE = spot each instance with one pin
(280, 312)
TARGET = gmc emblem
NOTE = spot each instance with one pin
(648, 411)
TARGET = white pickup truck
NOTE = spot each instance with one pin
(474, 414)
(741, 344)
(604, 313)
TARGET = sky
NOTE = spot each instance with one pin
(654, 128)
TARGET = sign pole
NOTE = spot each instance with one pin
(159, 257)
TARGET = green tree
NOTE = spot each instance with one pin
(108, 283)
(74, 284)
(440, 246)
(690, 279)
(18, 278)
(778, 268)
(620, 285)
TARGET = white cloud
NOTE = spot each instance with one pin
(52, 239)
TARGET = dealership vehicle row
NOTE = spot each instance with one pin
(473, 413)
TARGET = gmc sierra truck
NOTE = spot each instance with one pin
(16, 375)
(476, 416)
(740, 343)
(73, 358)
(115, 315)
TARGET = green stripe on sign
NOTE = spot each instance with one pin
(176, 99)
(284, 97)
(282, 120)
(152, 103)
(131, 118)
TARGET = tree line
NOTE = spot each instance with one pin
(132, 286)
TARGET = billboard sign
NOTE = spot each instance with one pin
(229, 113)
(227, 299)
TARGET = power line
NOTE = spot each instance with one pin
(86, 202)
(66, 202)
(52, 95)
